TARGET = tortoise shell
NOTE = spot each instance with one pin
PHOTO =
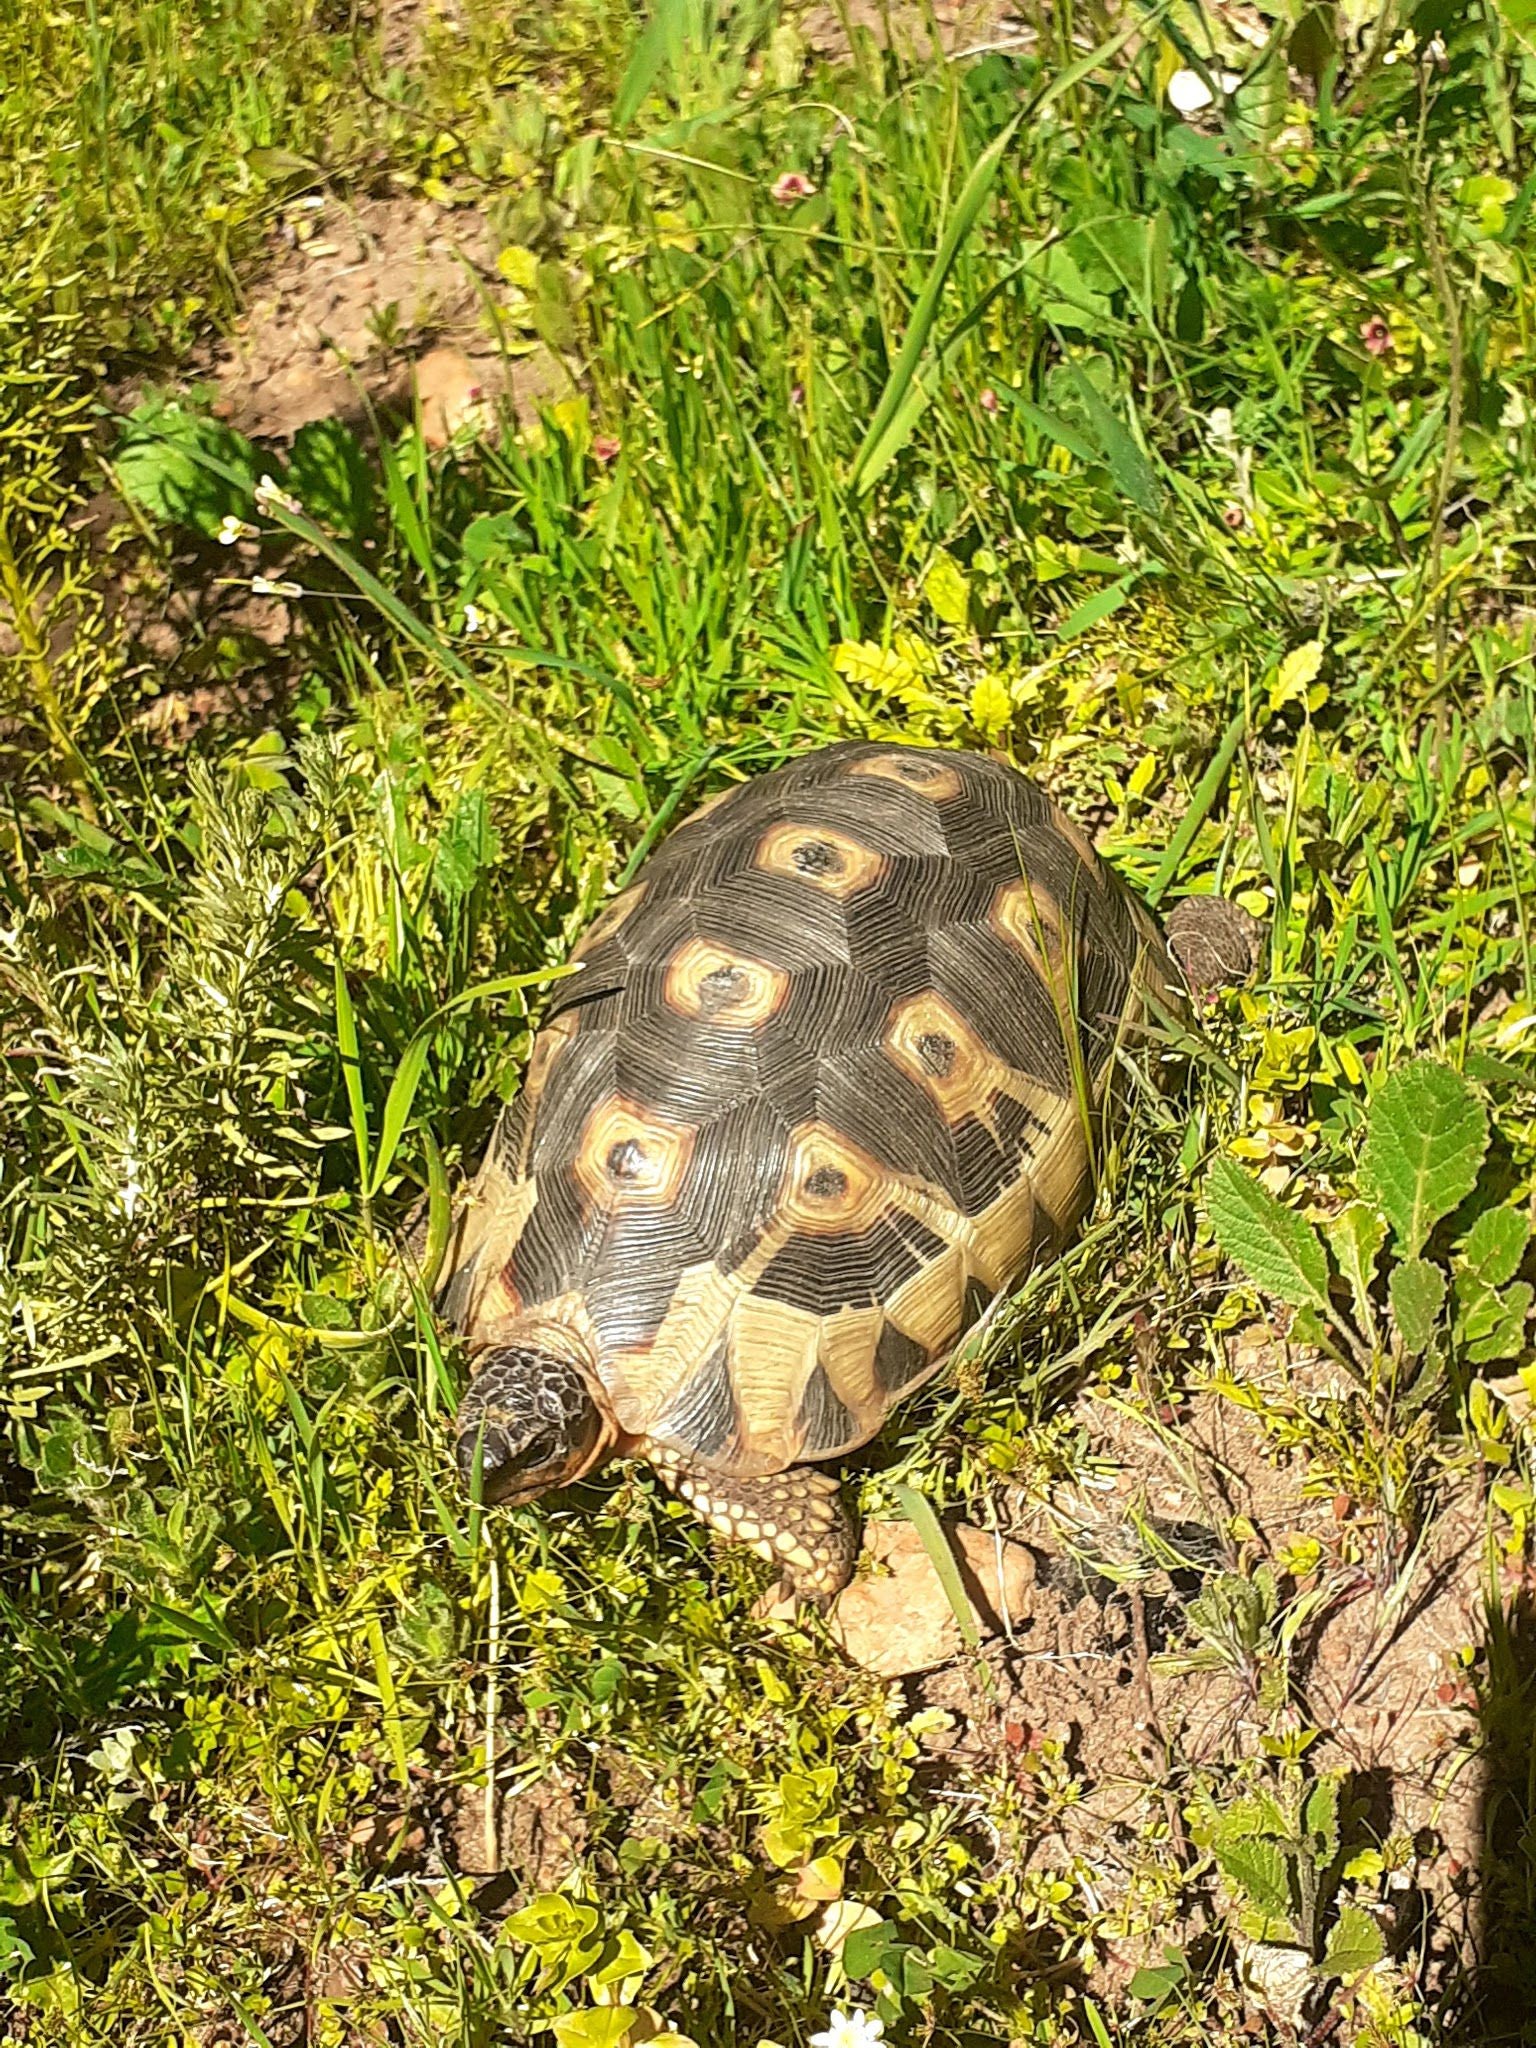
(814, 1100)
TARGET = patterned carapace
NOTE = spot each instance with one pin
(814, 1099)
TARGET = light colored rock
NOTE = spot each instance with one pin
(895, 1617)
(451, 393)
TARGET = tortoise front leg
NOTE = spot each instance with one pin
(795, 1519)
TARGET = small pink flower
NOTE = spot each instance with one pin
(986, 398)
(1376, 335)
(790, 186)
(1232, 517)
(797, 394)
(605, 448)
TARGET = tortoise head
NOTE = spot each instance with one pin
(532, 1420)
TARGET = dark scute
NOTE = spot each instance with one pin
(1004, 1000)
(856, 1270)
(984, 1167)
(582, 1077)
(684, 1070)
(775, 919)
(703, 1415)
(826, 1424)
(558, 1239)
(898, 1359)
(628, 1298)
(879, 1106)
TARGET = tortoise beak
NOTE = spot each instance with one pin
(509, 1470)
(490, 1448)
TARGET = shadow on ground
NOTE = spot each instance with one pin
(1495, 2001)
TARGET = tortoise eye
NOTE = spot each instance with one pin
(826, 1184)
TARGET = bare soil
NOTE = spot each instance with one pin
(355, 290)
(1096, 1687)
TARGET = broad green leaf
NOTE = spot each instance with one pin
(623, 1958)
(1320, 1815)
(869, 1949)
(330, 476)
(1276, 1248)
(1354, 1946)
(1495, 1245)
(658, 45)
(1152, 1982)
(1356, 1236)
(948, 590)
(1493, 1322)
(1133, 476)
(467, 843)
(1417, 1290)
(183, 468)
(954, 1969)
(551, 1921)
(1260, 1869)
(1296, 675)
(1095, 609)
(1425, 1140)
(1056, 429)
(601, 2026)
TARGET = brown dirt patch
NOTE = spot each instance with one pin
(831, 30)
(1095, 1718)
(354, 290)
(540, 1833)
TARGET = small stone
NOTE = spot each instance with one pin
(1216, 943)
(896, 1618)
(451, 394)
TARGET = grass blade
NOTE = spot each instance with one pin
(918, 1510)
(352, 1071)
(397, 1105)
(661, 36)
(1206, 793)
(881, 445)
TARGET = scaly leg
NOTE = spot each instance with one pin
(795, 1519)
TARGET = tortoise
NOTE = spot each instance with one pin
(824, 1087)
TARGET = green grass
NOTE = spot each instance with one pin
(1074, 446)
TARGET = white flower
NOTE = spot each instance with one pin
(474, 618)
(1434, 50)
(270, 495)
(263, 586)
(232, 529)
(1405, 46)
(1188, 92)
(1218, 424)
(851, 2030)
